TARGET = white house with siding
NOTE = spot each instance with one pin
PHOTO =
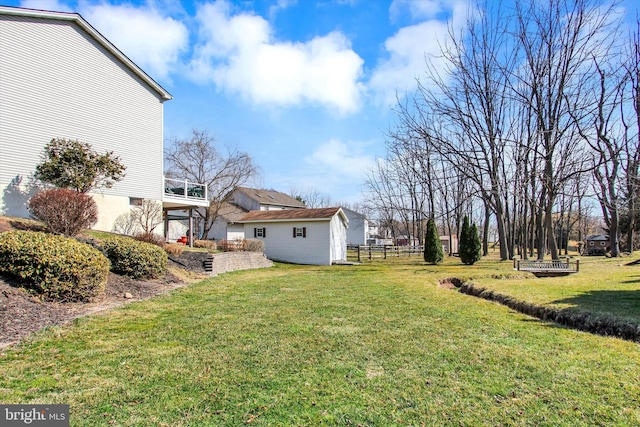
(300, 236)
(243, 200)
(358, 231)
(60, 78)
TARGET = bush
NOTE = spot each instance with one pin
(64, 211)
(433, 253)
(174, 249)
(206, 244)
(470, 248)
(135, 259)
(154, 239)
(251, 245)
(229, 245)
(56, 267)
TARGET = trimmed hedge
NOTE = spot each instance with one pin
(56, 267)
(135, 259)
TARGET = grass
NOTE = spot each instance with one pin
(603, 287)
(379, 344)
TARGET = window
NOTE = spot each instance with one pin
(136, 201)
(299, 232)
(259, 232)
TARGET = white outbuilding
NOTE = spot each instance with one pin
(300, 236)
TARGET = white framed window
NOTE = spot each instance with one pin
(260, 232)
(299, 232)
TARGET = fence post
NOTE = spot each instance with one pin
(577, 265)
(359, 254)
(369, 252)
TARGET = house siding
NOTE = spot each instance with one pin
(59, 82)
(338, 239)
(280, 245)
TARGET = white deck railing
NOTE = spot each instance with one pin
(177, 188)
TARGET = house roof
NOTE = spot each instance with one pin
(102, 40)
(284, 215)
(230, 212)
(597, 237)
(271, 197)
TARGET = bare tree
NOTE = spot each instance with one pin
(631, 124)
(311, 197)
(557, 41)
(200, 160)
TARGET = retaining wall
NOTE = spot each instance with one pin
(232, 261)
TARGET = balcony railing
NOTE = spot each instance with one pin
(177, 188)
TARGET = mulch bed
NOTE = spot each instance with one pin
(22, 313)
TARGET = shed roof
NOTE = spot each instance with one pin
(95, 34)
(283, 215)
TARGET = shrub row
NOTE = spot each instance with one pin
(56, 267)
(246, 245)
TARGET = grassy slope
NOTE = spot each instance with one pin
(378, 344)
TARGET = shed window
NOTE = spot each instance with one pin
(299, 232)
(259, 232)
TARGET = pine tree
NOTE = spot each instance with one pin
(470, 248)
(433, 253)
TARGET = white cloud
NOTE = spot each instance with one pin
(240, 55)
(153, 41)
(418, 10)
(337, 159)
(409, 49)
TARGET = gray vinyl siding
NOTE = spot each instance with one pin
(57, 82)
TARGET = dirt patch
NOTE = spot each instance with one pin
(22, 313)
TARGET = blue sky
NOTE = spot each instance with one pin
(305, 87)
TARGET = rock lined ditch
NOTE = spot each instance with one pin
(600, 325)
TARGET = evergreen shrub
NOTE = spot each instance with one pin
(56, 267)
(135, 259)
(470, 248)
(433, 253)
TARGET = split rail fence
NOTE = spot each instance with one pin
(383, 251)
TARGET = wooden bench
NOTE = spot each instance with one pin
(547, 268)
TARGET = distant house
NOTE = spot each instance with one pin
(253, 199)
(300, 236)
(60, 78)
(596, 244)
(358, 230)
(243, 200)
(449, 244)
(227, 225)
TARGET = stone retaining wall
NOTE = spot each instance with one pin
(233, 261)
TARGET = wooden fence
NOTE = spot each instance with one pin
(384, 251)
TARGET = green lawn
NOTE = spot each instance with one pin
(380, 344)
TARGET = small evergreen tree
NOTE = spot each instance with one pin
(433, 253)
(76, 166)
(470, 248)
